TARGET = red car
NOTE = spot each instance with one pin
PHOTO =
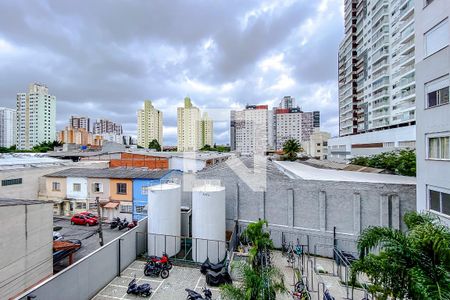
(89, 214)
(80, 219)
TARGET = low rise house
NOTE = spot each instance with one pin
(120, 191)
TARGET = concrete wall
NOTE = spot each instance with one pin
(103, 194)
(48, 193)
(186, 164)
(313, 207)
(431, 121)
(86, 277)
(123, 197)
(26, 237)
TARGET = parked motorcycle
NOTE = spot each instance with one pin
(163, 260)
(155, 270)
(132, 224)
(218, 278)
(139, 290)
(207, 265)
(115, 222)
(193, 295)
(123, 224)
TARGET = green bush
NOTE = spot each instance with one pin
(401, 162)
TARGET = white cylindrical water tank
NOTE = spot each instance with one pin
(208, 223)
(164, 222)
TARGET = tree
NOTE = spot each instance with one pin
(206, 148)
(261, 281)
(154, 144)
(46, 146)
(401, 162)
(291, 147)
(412, 265)
(257, 284)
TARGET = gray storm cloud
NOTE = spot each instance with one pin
(103, 58)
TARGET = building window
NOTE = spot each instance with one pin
(436, 38)
(439, 201)
(122, 188)
(56, 186)
(80, 205)
(144, 190)
(439, 147)
(125, 208)
(97, 187)
(437, 92)
(140, 209)
(77, 187)
(6, 182)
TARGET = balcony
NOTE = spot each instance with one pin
(380, 113)
(378, 104)
(380, 84)
(380, 54)
(380, 94)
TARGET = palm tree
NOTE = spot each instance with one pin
(257, 284)
(258, 238)
(412, 265)
(290, 148)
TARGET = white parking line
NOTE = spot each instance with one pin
(198, 281)
(154, 292)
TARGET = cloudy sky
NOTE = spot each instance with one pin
(103, 58)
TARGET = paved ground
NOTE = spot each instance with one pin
(170, 288)
(87, 235)
(186, 277)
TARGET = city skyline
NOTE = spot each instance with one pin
(102, 80)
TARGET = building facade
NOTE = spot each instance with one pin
(317, 146)
(7, 127)
(80, 122)
(376, 67)
(36, 117)
(191, 126)
(104, 126)
(79, 136)
(150, 125)
(433, 108)
(206, 130)
(250, 129)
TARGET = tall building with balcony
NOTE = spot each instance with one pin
(7, 127)
(433, 106)
(36, 117)
(80, 122)
(150, 125)
(376, 78)
(193, 130)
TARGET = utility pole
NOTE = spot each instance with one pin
(100, 232)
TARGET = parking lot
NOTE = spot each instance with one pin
(170, 288)
(88, 236)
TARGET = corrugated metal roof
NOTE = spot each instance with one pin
(14, 202)
(119, 173)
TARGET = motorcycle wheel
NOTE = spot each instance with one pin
(164, 273)
(169, 266)
(147, 294)
(147, 272)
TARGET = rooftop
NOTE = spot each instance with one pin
(119, 173)
(27, 159)
(302, 171)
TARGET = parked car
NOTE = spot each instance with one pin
(89, 214)
(80, 219)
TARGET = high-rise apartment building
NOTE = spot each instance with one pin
(79, 136)
(433, 106)
(36, 117)
(206, 130)
(150, 125)
(193, 130)
(103, 126)
(249, 129)
(287, 102)
(80, 122)
(7, 127)
(377, 76)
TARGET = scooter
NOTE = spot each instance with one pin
(115, 222)
(207, 265)
(155, 270)
(193, 295)
(132, 224)
(123, 224)
(218, 278)
(140, 290)
(164, 260)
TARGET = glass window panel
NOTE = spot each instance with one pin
(445, 203)
(445, 152)
(432, 99)
(435, 201)
(433, 148)
(444, 95)
(436, 38)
